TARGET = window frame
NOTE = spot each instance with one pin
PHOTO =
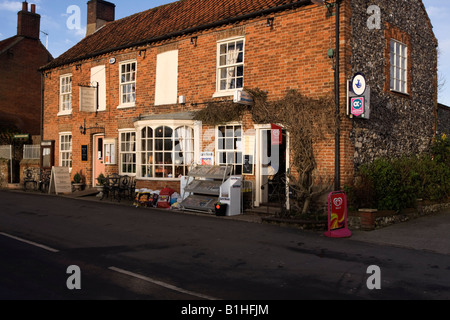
(128, 152)
(236, 164)
(66, 161)
(143, 165)
(228, 92)
(63, 94)
(131, 104)
(395, 82)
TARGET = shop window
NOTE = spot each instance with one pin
(229, 147)
(166, 151)
(127, 153)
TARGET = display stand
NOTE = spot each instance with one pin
(203, 186)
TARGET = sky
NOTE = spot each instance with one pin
(65, 23)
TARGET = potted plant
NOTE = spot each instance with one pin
(101, 181)
(78, 182)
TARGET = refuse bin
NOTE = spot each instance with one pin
(221, 209)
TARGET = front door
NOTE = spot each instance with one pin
(98, 157)
(272, 168)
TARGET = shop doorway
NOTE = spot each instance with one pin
(98, 158)
(272, 168)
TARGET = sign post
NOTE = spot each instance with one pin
(337, 216)
(60, 181)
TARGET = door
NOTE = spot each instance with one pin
(98, 157)
(272, 168)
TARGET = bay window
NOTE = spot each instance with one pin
(166, 152)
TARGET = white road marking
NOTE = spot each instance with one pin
(162, 284)
(30, 242)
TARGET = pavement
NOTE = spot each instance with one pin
(427, 233)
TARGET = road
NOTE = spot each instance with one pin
(126, 253)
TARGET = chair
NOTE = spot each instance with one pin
(124, 186)
(112, 186)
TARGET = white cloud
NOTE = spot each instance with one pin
(11, 6)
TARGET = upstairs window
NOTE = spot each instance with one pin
(399, 67)
(230, 65)
(65, 94)
(127, 84)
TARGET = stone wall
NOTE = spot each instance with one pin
(4, 173)
(400, 123)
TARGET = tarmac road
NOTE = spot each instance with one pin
(176, 256)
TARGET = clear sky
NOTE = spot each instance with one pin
(56, 14)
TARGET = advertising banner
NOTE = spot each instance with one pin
(337, 215)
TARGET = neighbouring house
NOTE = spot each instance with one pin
(21, 56)
(124, 99)
(443, 119)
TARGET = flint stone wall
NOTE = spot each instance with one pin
(400, 124)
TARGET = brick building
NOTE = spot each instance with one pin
(20, 83)
(152, 70)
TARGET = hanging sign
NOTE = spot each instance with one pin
(357, 106)
(359, 84)
(337, 216)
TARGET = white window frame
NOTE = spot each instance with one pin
(236, 150)
(65, 90)
(141, 161)
(66, 148)
(125, 83)
(399, 66)
(127, 154)
(221, 68)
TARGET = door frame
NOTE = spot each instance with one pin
(260, 128)
(94, 156)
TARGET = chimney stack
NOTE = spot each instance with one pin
(28, 23)
(99, 13)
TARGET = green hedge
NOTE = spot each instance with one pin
(396, 183)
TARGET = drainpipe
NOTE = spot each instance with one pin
(337, 170)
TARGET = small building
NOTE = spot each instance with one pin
(21, 56)
(125, 98)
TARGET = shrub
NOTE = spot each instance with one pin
(396, 183)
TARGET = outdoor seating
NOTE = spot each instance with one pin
(119, 187)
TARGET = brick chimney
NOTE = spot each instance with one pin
(28, 23)
(99, 13)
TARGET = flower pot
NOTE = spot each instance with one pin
(78, 186)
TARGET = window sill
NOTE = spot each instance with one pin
(220, 94)
(124, 106)
(64, 113)
(404, 94)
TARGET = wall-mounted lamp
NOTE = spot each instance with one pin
(78, 67)
(143, 52)
(270, 22)
(194, 41)
(83, 128)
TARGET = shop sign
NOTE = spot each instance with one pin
(243, 97)
(337, 215)
(60, 181)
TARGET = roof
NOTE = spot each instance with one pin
(171, 20)
(7, 44)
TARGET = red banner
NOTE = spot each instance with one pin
(277, 135)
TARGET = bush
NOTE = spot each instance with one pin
(396, 183)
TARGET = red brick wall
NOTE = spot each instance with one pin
(20, 85)
(291, 55)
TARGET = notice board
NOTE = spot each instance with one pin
(60, 181)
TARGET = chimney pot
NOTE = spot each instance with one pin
(25, 6)
(33, 8)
